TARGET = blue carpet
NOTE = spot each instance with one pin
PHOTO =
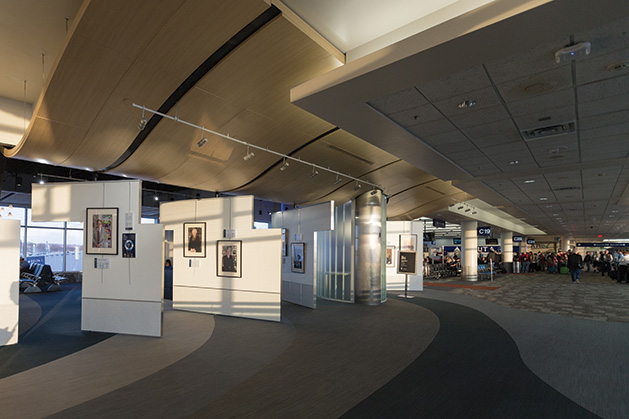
(57, 333)
(472, 369)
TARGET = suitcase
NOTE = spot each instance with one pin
(564, 270)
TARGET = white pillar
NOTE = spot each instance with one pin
(469, 253)
(506, 237)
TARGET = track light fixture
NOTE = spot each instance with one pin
(314, 173)
(143, 121)
(340, 177)
(357, 187)
(249, 155)
(460, 208)
(203, 139)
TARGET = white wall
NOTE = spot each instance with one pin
(127, 297)
(300, 288)
(397, 281)
(196, 285)
(9, 281)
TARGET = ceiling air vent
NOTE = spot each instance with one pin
(549, 131)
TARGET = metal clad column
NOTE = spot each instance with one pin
(369, 260)
(469, 253)
(507, 250)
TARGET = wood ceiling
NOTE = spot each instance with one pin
(120, 52)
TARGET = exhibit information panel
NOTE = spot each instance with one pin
(407, 263)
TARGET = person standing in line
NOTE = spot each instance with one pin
(575, 263)
(623, 266)
(526, 262)
(606, 260)
(588, 261)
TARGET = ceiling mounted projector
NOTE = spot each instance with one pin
(573, 51)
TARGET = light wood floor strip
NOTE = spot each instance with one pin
(102, 368)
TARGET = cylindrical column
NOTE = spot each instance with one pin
(506, 237)
(369, 262)
(469, 253)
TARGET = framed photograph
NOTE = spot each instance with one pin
(101, 237)
(390, 256)
(408, 242)
(194, 240)
(297, 257)
(228, 258)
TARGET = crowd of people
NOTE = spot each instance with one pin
(614, 263)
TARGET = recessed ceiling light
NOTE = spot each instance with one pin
(543, 199)
(622, 65)
(530, 181)
(514, 162)
(467, 103)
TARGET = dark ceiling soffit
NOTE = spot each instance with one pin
(325, 134)
(229, 46)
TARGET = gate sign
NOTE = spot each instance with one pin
(517, 239)
(484, 231)
(530, 241)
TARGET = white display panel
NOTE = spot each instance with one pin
(395, 281)
(299, 288)
(9, 281)
(197, 285)
(123, 295)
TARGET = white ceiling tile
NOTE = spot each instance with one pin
(603, 131)
(536, 60)
(494, 140)
(483, 98)
(465, 81)
(546, 118)
(594, 69)
(459, 150)
(406, 99)
(557, 79)
(542, 102)
(480, 117)
(445, 139)
(604, 89)
(504, 127)
(416, 115)
(439, 126)
(606, 38)
(606, 120)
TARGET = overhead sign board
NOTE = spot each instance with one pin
(530, 241)
(438, 223)
(517, 239)
(484, 231)
(603, 244)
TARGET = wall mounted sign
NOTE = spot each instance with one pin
(128, 245)
(297, 258)
(484, 231)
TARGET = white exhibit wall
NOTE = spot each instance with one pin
(300, 288)
(397, 281)
(126, 297)
(9, 281)
(196, 284)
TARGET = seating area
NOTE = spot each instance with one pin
(39, 277)
(485, 274)
(440, 270)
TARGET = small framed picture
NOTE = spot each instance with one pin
(297, 257)
(101, 236)
(408, 242)
(194, 240)
(284, 242)
(228, 258)
(389, 256)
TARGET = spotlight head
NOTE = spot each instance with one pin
(461, 207)
(338, 180)
(156, 198)
(248, 156)
(284, 166)
(357, 187)
(142, 124)
(374, 192)
(313, 174)
(202, 142)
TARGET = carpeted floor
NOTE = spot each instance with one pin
(445, 353)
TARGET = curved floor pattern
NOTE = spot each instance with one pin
(472, 369)
(50, 320)
(101, 368)
(583, 359)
